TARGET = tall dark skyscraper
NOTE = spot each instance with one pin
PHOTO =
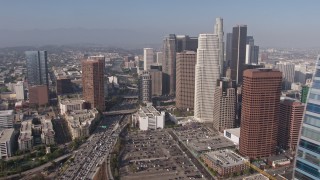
(37, 68)
(173, 44)
(261, 92)
(228, 50)
(239, 40)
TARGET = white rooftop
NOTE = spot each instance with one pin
(6, 113)
(6, 134)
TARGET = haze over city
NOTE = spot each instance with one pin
(139, 23)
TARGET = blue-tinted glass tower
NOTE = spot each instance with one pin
(37, 68)
(307, 165)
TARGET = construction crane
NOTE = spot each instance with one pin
(260, 171)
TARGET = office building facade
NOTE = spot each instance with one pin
(291, 115)
(156, 82)
(239, 39)
(288, 72)
(37, 68)
(225, 100)
(93, 81)
(186, 62)
(147, 58)
(38, 95)
(207, 72)
(6, 119)
(63, 86)
(307, 164)
(145, 87)
(218, 30)
(260, 112)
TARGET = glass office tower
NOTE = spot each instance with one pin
(307, 165)
(37, 68)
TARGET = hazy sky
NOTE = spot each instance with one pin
(276, 23)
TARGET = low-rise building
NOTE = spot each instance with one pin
(80, 121)
(233, 135)
(6, 119)
(47, 132)
(70, 105)
(149, 118)
(225, 162)
(278, 161)
(256, 177)
(25, 139)
(6, 143)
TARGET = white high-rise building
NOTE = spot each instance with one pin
(206, 74)
(19, 89)
(6, 119)
(147, 58)
(287, 70)
(159, 58)
(218, 30)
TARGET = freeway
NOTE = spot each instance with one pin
(120, 112)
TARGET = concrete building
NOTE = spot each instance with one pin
(233, 135)
(225, 162)
(287, 70)
(63, 85)
(291, 115)
(145, 87)
(47, 132)
(147, 58)
(156, 82)
(186, 62)
(93, 81)
(37, 68)
(260, 112)
(25, 139)
(239, 39)
(307, 164)
(6, 143)
(80, 122)
(19, 90)
(224, 109)
(207, 72)
(159, 57)
(38, 95)
(6, 119)
(67, 105)
(149, 118)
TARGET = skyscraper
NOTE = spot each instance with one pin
(156, 82)
(171, 45)
(291, 114)
(287, 70)
(228, 50)
(308, 154)
(224, 104)
(37, 68)
(218, 30)
(186, 62)
(147, 58)
(159, 56)
(252, 51)
(260, 112)
(206, 74)
(93, 81)
(239, 39)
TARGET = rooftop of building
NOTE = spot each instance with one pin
(6, 134)
(6, 112)
(277, 157)
(234, 131)
(71, 101)
(256, 177)
(225, 158)
(149, 111)
(209, 144)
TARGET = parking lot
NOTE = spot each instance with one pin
(155, 155)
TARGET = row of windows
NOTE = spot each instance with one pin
(313, 108)
(308, 169)
(310, 133)
(310, 146)
(312, 120)
(316, 84)
(314, 96)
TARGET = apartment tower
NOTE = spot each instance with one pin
(93, 81)
(260, 112)
(186, 62)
